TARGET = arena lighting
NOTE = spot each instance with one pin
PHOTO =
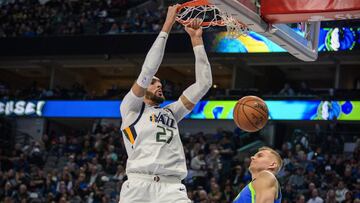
(292, 110)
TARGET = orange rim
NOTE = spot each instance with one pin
(194, 3)
(204, 24)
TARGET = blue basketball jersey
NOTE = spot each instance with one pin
(247, 195)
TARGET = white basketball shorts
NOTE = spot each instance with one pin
(142, 188)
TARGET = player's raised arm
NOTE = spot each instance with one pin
(203, 83)
(155, 55)
(196, 91)
(133, 100)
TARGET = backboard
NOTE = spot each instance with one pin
(301, 45)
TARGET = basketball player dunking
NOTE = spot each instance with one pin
(264, 187)
(156, 161)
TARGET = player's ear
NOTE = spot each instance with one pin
(273, 165)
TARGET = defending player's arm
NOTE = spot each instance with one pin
(133, 100)
(265, 187)
(196, 91)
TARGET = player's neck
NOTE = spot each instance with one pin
(254, 174)
(150, 102)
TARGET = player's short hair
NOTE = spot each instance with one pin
(278, 158)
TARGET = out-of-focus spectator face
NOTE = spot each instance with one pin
(82, 169)
(314, 193)
(7, 186)
(238, 169)
(300, 199)
(288, 188)
(94, 161)
(93, 169)
(246, 162)
(341, 185)
(62, 200)
(23, 189)
(8, 200)
(82, 177)
(66, 169)
(347, 172)
(11, 173)
(72, 158)
(348, 195)
(203, 195)
(215, 187)
(311, 186)
(299, 170)
(62, 187)
(87, 143)
(213, 181)
(331, 194)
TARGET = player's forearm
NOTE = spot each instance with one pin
(202, 74)
(196, 41)
(152, 61)
(167, 26)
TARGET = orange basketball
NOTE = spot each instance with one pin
(251, 113)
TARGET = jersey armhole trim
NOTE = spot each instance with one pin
(130, 132)
(170, 111)
(139, 116)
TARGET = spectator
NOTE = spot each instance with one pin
(300, 199)
(201, 196)
(341, 191)
(297, 179)
(304, 89)
(96, 172)
(214, 163)
(215, 193)
(288, 194)
(287, 90)
(120, 173)
(229, 194)
(22, 195)
(315, 198)
(348, 197)
(199, 167)
(330, 196)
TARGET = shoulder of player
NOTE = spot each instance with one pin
(266, 178)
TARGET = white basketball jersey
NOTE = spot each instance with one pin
(153, 144)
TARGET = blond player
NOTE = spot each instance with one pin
(264, 187)
(156, 161)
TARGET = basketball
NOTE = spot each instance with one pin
(251, 113)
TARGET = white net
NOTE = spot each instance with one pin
(210, 15)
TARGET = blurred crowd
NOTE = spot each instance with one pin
(90, 167)
(30, 18)
(36, 91)
(76, 91)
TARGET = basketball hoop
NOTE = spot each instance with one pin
(210, 15)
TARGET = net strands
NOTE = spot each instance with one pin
(210, 15)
